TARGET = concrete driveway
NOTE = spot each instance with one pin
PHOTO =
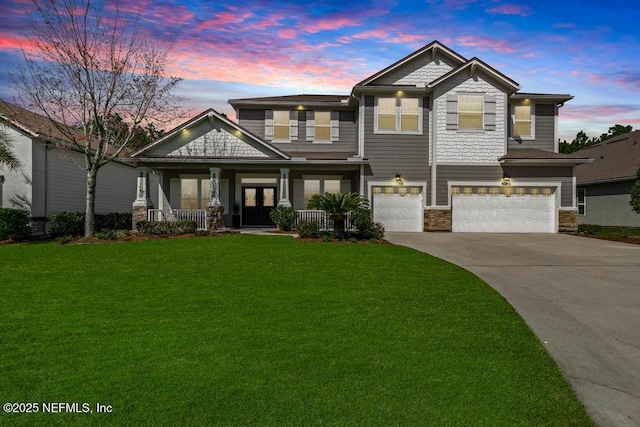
(581, 297)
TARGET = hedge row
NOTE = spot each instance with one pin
(72, 223)
(14, 224)
(171, 228)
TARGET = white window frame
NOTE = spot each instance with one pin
(316, 126)
(322, 179)
(584, 201)
(287, 113)
(533, 123)
(482, 101)
(398, 116)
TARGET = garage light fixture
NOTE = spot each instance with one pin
(506, 179)
(399, 180)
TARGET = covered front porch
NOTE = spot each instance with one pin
(236, 196)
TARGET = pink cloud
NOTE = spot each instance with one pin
(592, 112)
(223, 20)
(485, 43)
(329, 24)
(510, 9)
(287, 33)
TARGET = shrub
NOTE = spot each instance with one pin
(72, 223)
(67, 224)
(171, 228)
(589, 228)
(327, 239)
(308, 228)
(352, 240)
(284, 217)
(14, 223)
(367, 229)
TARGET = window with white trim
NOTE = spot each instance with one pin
(582, 201)
(398, 115)
(319, 186)
(194, 193)
(322, 126)
(523, 121)
(281, 125)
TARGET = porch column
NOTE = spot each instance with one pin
(215, 211)
(284, 188)
(143, 203)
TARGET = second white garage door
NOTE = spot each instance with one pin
(501, 214)
(399, 212)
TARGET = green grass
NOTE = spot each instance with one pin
(261, 330)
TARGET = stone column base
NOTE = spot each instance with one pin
(567, 221)
(139, 213)
(215, 217)
(437, 220)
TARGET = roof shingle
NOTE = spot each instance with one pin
(614, 159)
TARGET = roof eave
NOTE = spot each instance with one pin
(539, 162)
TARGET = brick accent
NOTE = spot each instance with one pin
(215, 217)
(139, 213)
(437, 220)
(567, 221)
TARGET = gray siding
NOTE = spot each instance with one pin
(544, 130)
(66, 186)
(389, 154)
(253, 121)
(608, 204)
(446, 173)
(564, 174)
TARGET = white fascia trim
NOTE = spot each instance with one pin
(391, 183)
(526, 182)
(496, 163)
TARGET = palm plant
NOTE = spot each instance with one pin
(7, 158)
(338, 206)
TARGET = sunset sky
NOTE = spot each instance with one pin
(246, 48)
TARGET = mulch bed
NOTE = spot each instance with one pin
(631, 240)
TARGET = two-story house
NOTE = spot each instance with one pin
(435, 142)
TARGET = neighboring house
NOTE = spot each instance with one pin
(435, 142)
(53, 179)
(604, 186)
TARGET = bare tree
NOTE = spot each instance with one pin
(89, 62)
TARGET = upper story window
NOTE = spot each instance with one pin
(474, 112)
(523, 121)
(398, 115)
(281, 125)
(323, 125)
(470, 111)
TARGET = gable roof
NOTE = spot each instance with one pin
(205, 115)
(34, 124)
(472, 65)
(435, 46)
(615, 159)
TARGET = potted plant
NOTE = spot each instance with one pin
(235, 217)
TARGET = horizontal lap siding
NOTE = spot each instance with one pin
(252, 120)
(389, 154)
(446, 173)
(544, 130)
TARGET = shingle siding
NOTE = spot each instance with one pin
(419, 71)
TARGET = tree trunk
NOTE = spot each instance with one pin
(89, 219)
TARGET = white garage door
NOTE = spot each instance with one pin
(399, 212)
(501, 214)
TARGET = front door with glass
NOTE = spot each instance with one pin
(257, 202)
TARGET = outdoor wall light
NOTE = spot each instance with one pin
(399, 180)
(506, 180)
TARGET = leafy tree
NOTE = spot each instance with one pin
(635, 194)
(338, 206)
(90, 64)
(581, 141)
(615, 131)
(7, 158)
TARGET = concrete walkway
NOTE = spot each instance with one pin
(581, 297)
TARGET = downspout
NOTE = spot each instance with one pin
(361, 134)
(433, 151)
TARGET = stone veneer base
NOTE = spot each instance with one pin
(437, 220)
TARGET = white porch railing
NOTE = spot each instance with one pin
(198, 215)
(325, 223)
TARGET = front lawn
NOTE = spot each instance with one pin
(265, 330)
